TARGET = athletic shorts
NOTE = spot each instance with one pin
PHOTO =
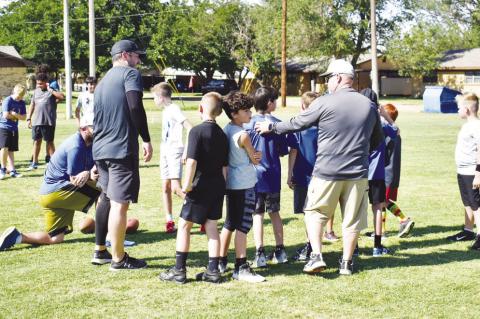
(391, 194)
(119, 178)
(323, 196)
(299, 197)
(376, 191)
(9, 139)
(43, 131)
(171, 165)
(267, 202)
(470, 197)
(240, 207)
(205, 201)
(60, 206)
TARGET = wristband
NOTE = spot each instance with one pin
(478, 168)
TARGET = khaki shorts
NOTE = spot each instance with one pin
(323, 196)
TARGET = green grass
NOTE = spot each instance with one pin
(426, 277)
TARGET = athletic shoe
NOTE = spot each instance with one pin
(346, 267)
(330, 236)
(463, 235)
(315, 264)
(8, 238)
(356, 251)
(202, 229)
(405, 228)
(222, 266)
(128, 263)
(126, 243)
(15, 174)
(101, 257)
(213, 277)
(278, 256)
(371, 234)
(47, 159)
(175, 275)
(476, 243)
(245, 273)
(260, 260)
(32, 167)
(3, 173)
(170, 227)
(303, 254)
(380, 251)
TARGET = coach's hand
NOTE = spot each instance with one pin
(147, 151)
(94, 173)
(80, 179)
(263, 127)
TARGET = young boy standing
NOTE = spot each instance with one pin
(241, 180)
(272, 146)
(84, 107)
(207, 155)
(171, 148)
(467, 158)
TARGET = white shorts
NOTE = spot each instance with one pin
(171, 165)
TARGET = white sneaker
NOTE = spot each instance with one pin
(315, 264)
(260, 260)
(245, 273)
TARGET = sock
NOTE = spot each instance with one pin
(169, 218)
(18, 240)
(395, 210)
(213, 263)
(467, 229)
(378, 241)
(180, 260)
(278, 247)
(384, 221)
(309, 246)
(224, 260)
(239, 262)
(101, 220)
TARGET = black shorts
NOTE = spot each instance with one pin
(299, 197)
(205, 201)
(240, 207)
(43, 131)
(119, 178)
(376, 191)
(470, 197)
(9, 139)
(267, 202)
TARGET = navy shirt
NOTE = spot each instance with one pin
(305, 142)
(10, 104)
(71, 158)
(376, 159)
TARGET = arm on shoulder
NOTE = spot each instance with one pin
(245, 142)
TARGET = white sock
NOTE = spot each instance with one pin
(169, 217)
(18, 240)
(470, 230)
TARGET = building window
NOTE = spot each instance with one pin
(472, 77)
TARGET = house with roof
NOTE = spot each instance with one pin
(13, 69)
(460, 70)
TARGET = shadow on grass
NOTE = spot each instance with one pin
(433, 229)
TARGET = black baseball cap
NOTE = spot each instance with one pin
(126, 46)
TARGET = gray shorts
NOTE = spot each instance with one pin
(171, 165)
(267, 202)
(119, 179)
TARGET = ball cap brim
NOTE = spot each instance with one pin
(339, 67)
(126, 46)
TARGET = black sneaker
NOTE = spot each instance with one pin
(128, 263)
(213, 277)
(101, 257)
(303, 254)
(178, 276)
(346, 267)
(476, 243)
(464, 235)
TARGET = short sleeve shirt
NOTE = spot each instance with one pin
(45, 112)
(85, 105)
(9, 105)
(172, 127)
(468, 142)
(115, 136)
(305, 142)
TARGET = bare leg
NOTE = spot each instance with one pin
(469, 218)
(11, 161)
(240, 244)
(258, 230)
(50, 148)
(167, 198)
(314, 231)
(330, 225)
(3, 157)
(213, 238)
(277, 227)
(377, 218)
(176, 187)
(42, 238)
(117, 223)
(476, 215)
(350, 240)
(183, 235)
(225, 238)
(36, 150)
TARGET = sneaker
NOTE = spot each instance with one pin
(315, 264)
(464, 235)
(101, 257)
(8, 238)
(245, 273)
(126, 243)
(346, 267)
(15, 174)
(3, 173)
(47, 159)
(476, 243)
(213, 277)
(170, 227)
(278, 256)
(202, 229)
(128, 263)
(380, 251)
(175, 275)
(260, 260)
(222, 266)
(303, 254)
(330, 236)
(405, 228)
(32, 167)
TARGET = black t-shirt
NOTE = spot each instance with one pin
(208, 145)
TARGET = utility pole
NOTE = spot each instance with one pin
(68, 64)
(91, 37)
(284, 54)
(373, 26)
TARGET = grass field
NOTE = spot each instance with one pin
(426, 277)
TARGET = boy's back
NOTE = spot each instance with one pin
(306, 144)
(393, 158)
(466, 148)
(172, 127)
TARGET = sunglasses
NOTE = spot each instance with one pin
(328, 77)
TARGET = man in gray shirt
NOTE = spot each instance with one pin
(348, 127)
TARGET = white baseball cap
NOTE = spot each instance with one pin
(339, 67)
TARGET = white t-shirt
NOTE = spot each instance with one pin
(85, 104)
(466, 149)
(172, 128)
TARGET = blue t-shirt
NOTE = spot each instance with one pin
(306, 144)
(272, 147)
(376, 159)
(71, 158)
(10, 104)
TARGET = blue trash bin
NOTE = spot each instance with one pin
(440, 99)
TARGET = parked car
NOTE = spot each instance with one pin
(221, 86)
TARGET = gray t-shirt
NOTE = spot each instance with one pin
(115, 136)
(348, 127)
(45, 112)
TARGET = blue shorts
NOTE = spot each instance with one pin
(299, 197)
